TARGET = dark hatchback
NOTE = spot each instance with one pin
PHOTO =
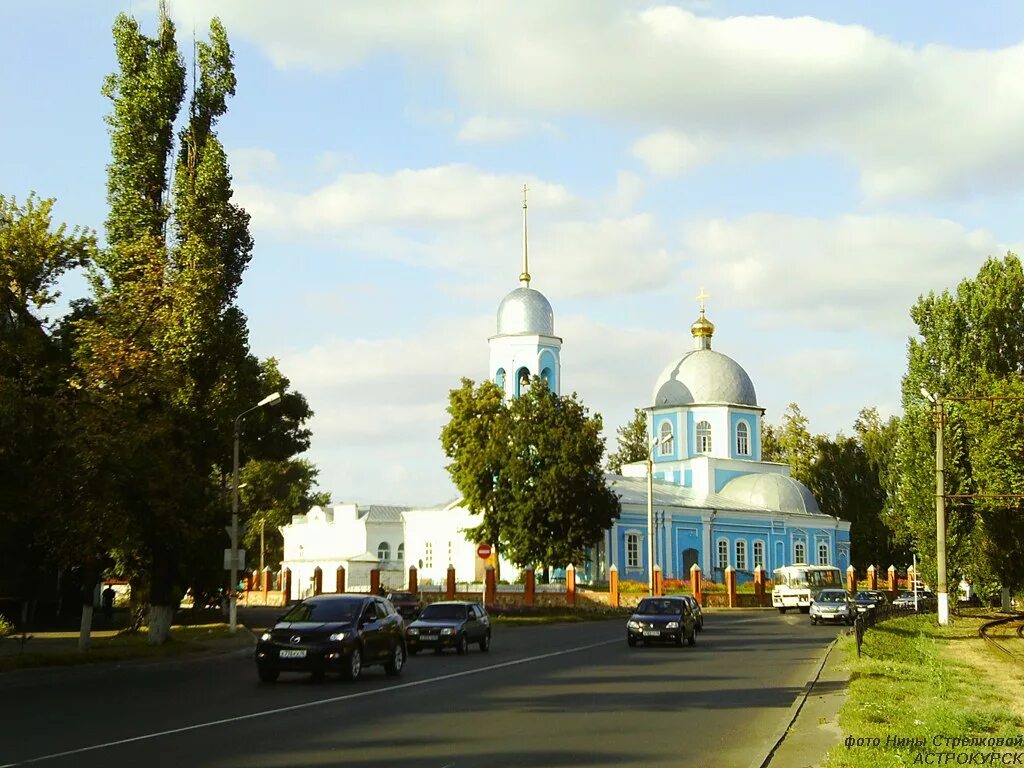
(406, 603)
(333, 633)
(662, 620)
(870, 599)
(450, 625)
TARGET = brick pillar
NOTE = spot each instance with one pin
(730, 586)
(530, 593)
(286, 584)
(318, 581)
(339, 579)
(265, 578)
(851, 579)
(872, 577)
(449, 590)
(489, 586)
(374, 581)
(894, 583)
(657, 581)
(414, 579)
(570, 584)
(613, 587)
(695, 584)
(759, 584)
(911, 577)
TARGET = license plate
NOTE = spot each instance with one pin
(651, 633)
(293, 654)
(428, 637)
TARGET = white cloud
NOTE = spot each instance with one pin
(850, 273)
(923, 121)
(667, 153)
(249, 163)
(483, 128)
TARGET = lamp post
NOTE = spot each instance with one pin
(271, 399)
(650, 513)
(940, 508)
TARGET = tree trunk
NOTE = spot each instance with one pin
(89, 579)
(160, 618)
(85, 629)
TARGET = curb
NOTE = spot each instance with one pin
(794, 711)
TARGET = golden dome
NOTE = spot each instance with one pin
(702, 328)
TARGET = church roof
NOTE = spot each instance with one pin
(704, 377)
(525, 311)
(377, 513)
(633, 490)
(772, 491)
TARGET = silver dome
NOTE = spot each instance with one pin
(703, 376)
(778, 493)
(525, 310)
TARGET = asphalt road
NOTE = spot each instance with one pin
(554, 695)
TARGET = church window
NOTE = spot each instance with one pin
(499, 378)
(428, 555)
(401, 551)
(666, 444)
(742, 439)
(383, 551)
(632, 550)
(759, 554)
(799, 552)
(823, 553)
(703, 437)
(522, 380)
(723, 554)
(741, 555)
(548, 377)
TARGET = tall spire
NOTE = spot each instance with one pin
(702, 328)
(524, 278)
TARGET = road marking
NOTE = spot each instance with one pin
(308, 704)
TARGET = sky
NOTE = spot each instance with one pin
(815, 167)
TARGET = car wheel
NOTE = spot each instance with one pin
(700, 626)
(462, 645)
(268, 674)
(397, 660)
(355, 665)
(692, 639)
(485, 644)
(631, 641)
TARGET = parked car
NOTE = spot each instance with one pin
(870, 599)
(698, 614)
(662, 619)
(406, 603)
(333, 633)
(832, 605)
(454, 624)
(925, 601)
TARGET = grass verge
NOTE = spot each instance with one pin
(61, 648)
(921, 694)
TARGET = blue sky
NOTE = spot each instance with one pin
(815, 166)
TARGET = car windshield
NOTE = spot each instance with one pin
(831, 597)
(655, 607)
(867, 596)
(325, 610)
(401, 596)
(444, 612)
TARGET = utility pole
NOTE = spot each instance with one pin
(940, 514)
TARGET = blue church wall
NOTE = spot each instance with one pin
(754, 437)
(723, 476)
(673, 421)
(690, 427)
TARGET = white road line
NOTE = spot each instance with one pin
(306, 705)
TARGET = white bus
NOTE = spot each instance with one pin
(793, 586)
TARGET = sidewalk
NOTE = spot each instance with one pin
(816, 729)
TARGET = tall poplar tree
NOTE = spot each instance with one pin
(633, 442)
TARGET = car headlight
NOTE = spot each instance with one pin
(412, 631)
(672, 625)
(265, 636)
(633, 624)
(448, 631)
(336, 636)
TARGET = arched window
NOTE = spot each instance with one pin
(741, 555)
(723, 554)
(499, 378)
(522, 380)
(822, 553)
(799, 552)
(401, 551)
(742, 439)
(549, 378)
(759, 554)
(632, 550)
(666, 443)
(383, 551)
(703, 437)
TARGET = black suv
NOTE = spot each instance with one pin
(333, 633)
(450, 625)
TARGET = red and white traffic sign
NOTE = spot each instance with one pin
(483, 551)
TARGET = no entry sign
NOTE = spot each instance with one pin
(483, 551)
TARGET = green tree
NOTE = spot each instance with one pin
(632, 442)
(532, 468)
(969, 343)
(790, 443)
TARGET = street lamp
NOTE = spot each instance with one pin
(940, 507)
(272, 399)
(650, 510)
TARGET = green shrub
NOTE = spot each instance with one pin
(6, 627)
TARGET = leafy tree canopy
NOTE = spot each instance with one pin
(632, 442)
